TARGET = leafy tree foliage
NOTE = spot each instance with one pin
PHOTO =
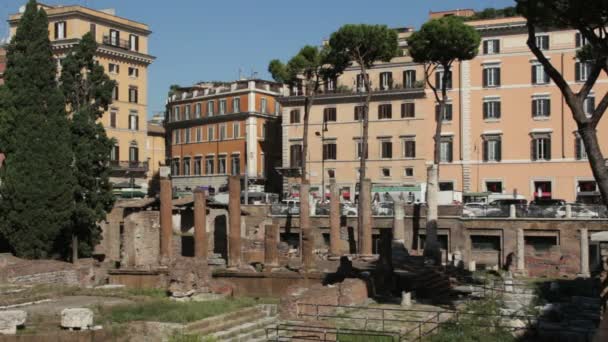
(493, 13)
(37, 178)
(364, 45)
(438, 44)
(590, 18)
(88, 92)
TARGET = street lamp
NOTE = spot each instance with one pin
(322, 135)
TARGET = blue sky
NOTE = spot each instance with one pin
(197, 40)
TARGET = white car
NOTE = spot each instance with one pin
(474, 209)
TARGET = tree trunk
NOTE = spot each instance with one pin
(362, 164)
(596, 159)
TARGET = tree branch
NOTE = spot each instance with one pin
(428, 70)
(599, 111)
(591, 79)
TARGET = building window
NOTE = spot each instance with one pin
(580, 41)
(222, 132)
(541, 107)
(542, 42)
(210, 133)
(93, 30)
(491, 46)
(359, 148)
(176, 136)
(385, 172)
(408, 172)
(329, 150)
(262, 165)
(114, 37)
(295, 155)
(115, 93)
(541, 147)
(386, 149)
(439, 80)
(589, 105)
(294, 116)
(408, 110)
(199, 134)
(133, 95)
(187, 135)
(235, 164)
(491, 109)
(175, 167)
(491, 76)
(133, 72)
(385, 111)
(330, 83)
(113, 68)
(587, 186)
(263, 106)
(187, 112)
(133, 42)
(492, 149)
(579, 148)
(360, 83)
(133, 121)
(176, 113)
(543, 189)
(186, 167)
(539, 76)
(133, 152)
(447, 114)
(210, 108)
(446, 186)
(113, 114)
(197, 166)
(222, 107)
(386, 80)
(197, 110)
(277, 108)
(236, 105)
(359, 113)
(329, 114)
(61, 30)
(115, 153)
(209, 165)
(445, 150)
(581, 71)
(409, 147)
(264, 131)
(494, 187)
(236, 130)
(221, 165)
(409, 79)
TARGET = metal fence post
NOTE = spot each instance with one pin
(383, 320)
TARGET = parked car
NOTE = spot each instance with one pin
(348, 209)
(578, 210)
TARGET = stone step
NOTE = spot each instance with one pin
(226, 321)
(234, 333)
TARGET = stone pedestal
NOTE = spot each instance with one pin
(334, 220)
(521, 251)
(585, 253)
(200, 224)
(406, 299)
(472, 266)
(234, 228)
(271, 242)
(80, 319)
(10, 320)
(307, 237)
(166, 221)
(365, 232)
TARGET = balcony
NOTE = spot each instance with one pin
(119, 43)
(128, 167)
(345, 94)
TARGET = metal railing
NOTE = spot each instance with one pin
(288, 332)
(117, 42)
(129, 165)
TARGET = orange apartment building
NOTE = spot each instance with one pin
(507, 129)
(219, 129)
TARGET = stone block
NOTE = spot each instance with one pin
(77, 318)
(10, 320)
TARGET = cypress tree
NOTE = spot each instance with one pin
(88, 92)
(36, 180)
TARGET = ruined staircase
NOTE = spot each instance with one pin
(244, 325)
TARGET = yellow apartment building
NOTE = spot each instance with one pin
(123, 52)
(156, 144)
(507, 129)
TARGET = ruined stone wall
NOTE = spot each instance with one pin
(109, 246)
(32, 272)
(141, 240)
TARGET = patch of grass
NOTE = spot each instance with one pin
(182, 337)
(124, 293)
(342, 337)
(164, 310)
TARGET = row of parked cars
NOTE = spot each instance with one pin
(546, 208)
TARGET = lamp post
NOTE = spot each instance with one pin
(322, 135)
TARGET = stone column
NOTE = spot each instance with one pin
(334, 220)
(200, 224)
(307, 237)
(521, 251)
(399, 222)
(365, 232)
(271, 242)
(166, 221)
(585, 253)
(234, 229)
